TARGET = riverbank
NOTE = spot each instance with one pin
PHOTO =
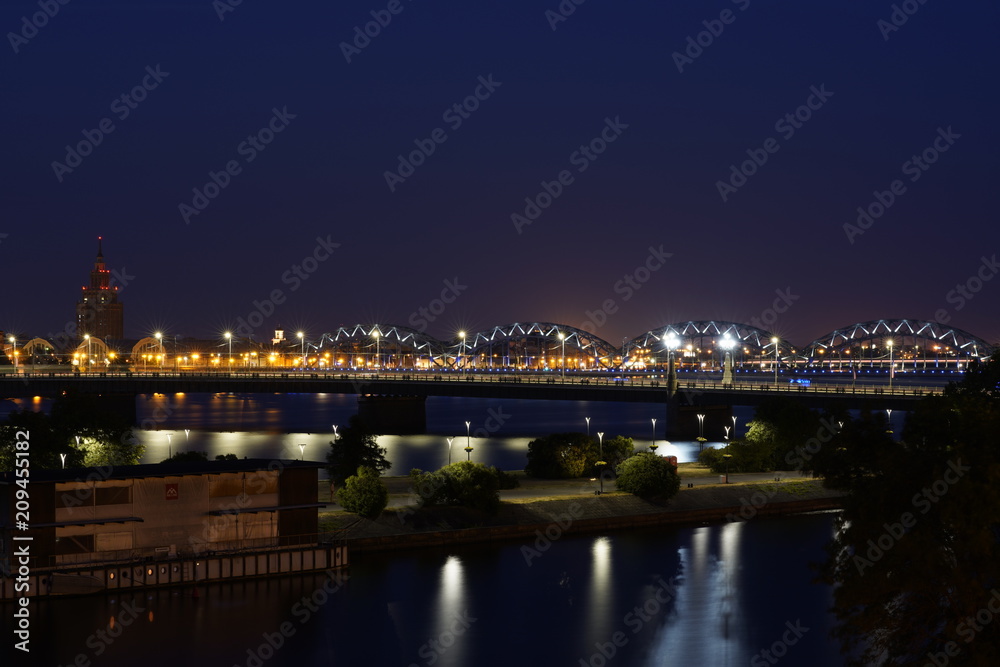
(570, 507)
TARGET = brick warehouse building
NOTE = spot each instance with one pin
(143, 513)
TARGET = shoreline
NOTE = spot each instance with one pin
(547, 519)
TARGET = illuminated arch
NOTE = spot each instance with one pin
(38, 346)
(533, 344)
(913, 340)
(99, 352)
(700, 342)
(148, 345)
(381, 346)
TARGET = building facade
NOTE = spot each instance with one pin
(99, 313)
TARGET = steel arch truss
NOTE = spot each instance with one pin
(942, 340)
(517, 341)
(747, 339)
(394, 345)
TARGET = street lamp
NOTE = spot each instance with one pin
(727, 433)
(334, 432)
(653, 446)
(601, 463)
(701, 426)
(163, 352)
(450, 440)
(671, 343)
(888, 419)
(302, 339)
(302, 451)
(891, 364)
(727, 362)
(776, 361)
(727, 457)
(734, 426)
(588, 427)
(13, 352)
(63, 457)
(461, 334)
(562, 339)
(378, 335)
(468, 441)
(229, 337)
(86, 337)
(169, 450)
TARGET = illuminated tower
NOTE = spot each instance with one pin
(98, 311)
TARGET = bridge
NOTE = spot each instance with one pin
(900, 344)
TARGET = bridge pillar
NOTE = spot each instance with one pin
(393, 415)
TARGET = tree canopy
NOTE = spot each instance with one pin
(648, 476)
(355, 447)
(916, 555)
(82, 427)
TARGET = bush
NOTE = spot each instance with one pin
(364, 493)
(465, 483)
(560, 456)
(648, 476)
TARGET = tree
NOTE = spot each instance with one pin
(465, 483)
(364, 493)
(616, 450)
(560, 456)
(648, 476)
(916, 553)
(356, 447)
(82, 427)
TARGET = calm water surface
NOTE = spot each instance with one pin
(712, 595)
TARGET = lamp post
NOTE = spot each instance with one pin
(63, 458)
(302, 451)
(727, 433)
(671, 344)
(169, 449)
(776, 361)
(653, 446)
(888, 419)
(378, 335)
(450, 440)
(229, 337)
(727, 362)
(13, 352)
(891, 364)
(163, 352)
(461, 334)
(601, 463)
(727, 457)
(302, 339)
(86, 337)
(701, 426)
(562, 339)
(335, 433)
(588, 427)
(468, 441)
(734, 426)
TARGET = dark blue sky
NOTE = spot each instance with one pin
(608, 65)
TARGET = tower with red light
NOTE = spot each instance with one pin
(98, 312)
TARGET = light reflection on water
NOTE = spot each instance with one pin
(734, 588)
(259, 426)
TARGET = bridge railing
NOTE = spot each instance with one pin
(625, 382)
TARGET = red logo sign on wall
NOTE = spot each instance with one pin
(172, 492)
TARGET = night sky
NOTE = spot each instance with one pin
(642, 125)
